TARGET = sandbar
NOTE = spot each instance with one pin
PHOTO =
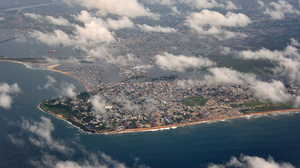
(20, 62)
(51, 67)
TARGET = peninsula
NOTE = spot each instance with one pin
(129, 107)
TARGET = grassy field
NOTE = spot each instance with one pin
(253, 104)
(62, 110)
(194, 101)
(268, 106)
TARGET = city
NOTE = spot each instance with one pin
(119, 106)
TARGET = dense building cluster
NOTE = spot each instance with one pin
(119, 106)
(90, 75)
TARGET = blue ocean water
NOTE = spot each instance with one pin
(189, 146)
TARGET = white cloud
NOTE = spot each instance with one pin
(123, 22)
(42, 135)
(5, 101)
(226, 50)
(148, 28)
(288, 60)
(213, 18)
(181, 63)
(52, 60)
(15, 140)
(103, 53)
(274, 91)
(210, 22)
(187, 83)
(198, 4)
(295, 42)
(99, 105)
(129, 8)
(2, 19)
(33, 16)
(49, 83)
(67, 90)
(161, 2)
(297, 102)
(91, 38)
(5, 90)
(229, 76)
(175, 10)
(60, 21)
(231, 6)
(208, 4)
(55, 38)
(261, 3)
(252, 162)
(203, 4)
(128, 105)
(100, 160)
(279, 9)
(94, 31)
(127, 60)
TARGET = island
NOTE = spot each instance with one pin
(128, 107)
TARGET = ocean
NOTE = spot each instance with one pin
(189, 146)
(32, 138)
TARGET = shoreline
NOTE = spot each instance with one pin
(51, 67)
(174, 126)
(20, 62)
(204, 121)
(50, 112)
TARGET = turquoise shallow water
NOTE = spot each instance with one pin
(189, 146)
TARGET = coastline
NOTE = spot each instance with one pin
(51, 67)
(174, 125)
(204, 121)
(20, 62)
(56, 115)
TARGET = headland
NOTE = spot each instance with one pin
(282, 111)
(126, 107)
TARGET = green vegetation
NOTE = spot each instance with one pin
(194, 101)
(84, 95)
(271, 106)
(260, 106)
(170, 77)
(253, 104)
(83, 127)
(87, 62)
(59, 109)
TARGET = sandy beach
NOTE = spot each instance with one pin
(51, 67)
(198, 122)
(183, 124)
(57, 115)
(20, 62)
